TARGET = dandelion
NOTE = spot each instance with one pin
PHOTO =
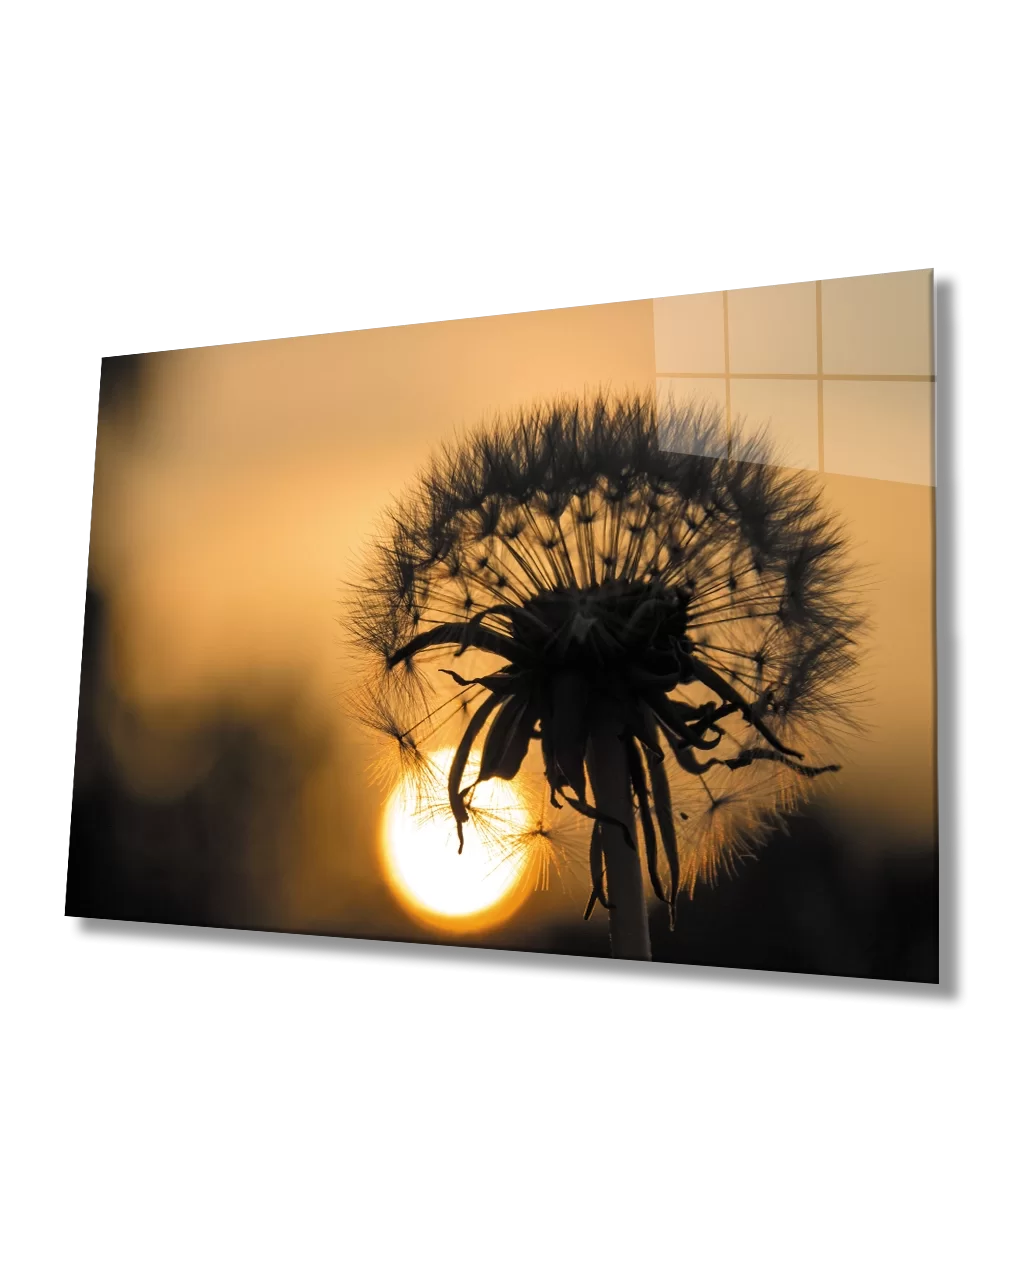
(671, 628)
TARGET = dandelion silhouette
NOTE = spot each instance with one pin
(673, 627)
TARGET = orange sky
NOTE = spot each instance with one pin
(230, 509)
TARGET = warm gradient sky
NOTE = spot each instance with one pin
(236, 487)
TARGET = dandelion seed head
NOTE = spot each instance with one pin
(609, 551)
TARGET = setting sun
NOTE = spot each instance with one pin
(475, 889)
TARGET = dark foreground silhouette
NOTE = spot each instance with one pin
(806, 904)
(222, 851)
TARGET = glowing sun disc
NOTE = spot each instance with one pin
(475, 889)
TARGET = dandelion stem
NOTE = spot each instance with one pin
(608, 767)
